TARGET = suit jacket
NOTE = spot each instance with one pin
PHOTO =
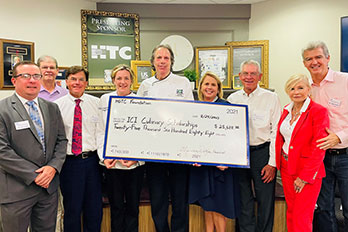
(305, 159)
(21, 151)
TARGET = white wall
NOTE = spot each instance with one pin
(289, 25)
(54, 27)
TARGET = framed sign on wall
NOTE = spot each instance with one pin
(108, 39)
(215, 59)
(250, 50)
(12, 52)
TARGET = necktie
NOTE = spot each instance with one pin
(76, 147)
(35, 117)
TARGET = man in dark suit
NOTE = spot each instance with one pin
(32, 152)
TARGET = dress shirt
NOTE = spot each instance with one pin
(286, 129)
(92, 129)
(172, 87)
(54, 95)
(264, 113)
(103, 107)
(332, 93)
(24, 101)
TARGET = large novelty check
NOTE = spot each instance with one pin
(162, 130)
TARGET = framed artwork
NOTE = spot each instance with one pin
(344, 44)
(236, 82)
(142, 70)
(62, 73)
(250, 50)
(216, 60)
(108, 39)
(12, 52)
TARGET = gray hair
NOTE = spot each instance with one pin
(314, 45)
(252, 62)
(46, 58)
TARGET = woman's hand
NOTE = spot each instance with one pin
(127, 163)
(110, 163)
(299, 185)
(196, 165)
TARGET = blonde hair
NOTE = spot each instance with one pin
(210, 74)
(119, 68)
(294, 80)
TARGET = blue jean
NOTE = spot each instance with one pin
(336, 167)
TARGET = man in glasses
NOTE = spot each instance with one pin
(50, 90)
(264, 114)
(32, 153)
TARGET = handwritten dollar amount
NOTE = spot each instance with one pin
(225, 127)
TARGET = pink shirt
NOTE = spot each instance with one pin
(332, 93)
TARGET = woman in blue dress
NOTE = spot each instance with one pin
(214, 188)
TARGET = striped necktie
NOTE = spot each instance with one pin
(35, 117)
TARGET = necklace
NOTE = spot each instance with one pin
(294, 115)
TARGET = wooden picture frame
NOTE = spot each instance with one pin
(215, 59)
(12, 52)
(108, 39)
(236, 82)
(142, 70)
(62, 73)
(256, 50)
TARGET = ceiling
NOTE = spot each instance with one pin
(180, 1)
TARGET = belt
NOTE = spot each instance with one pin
(263, 145)
(83, 155)
(340, 151)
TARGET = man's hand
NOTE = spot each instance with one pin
(329, 141)
(46, 174)
(268, 173)
(109, 163)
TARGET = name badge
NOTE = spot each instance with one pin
(335, 102)
(22, 125)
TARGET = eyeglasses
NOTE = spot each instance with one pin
(253, 74)
(28, 76)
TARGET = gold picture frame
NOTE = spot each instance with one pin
(108, 39)
(256, 50)
(215, 59)
(142, 70)
(236, 82)
(12, 52)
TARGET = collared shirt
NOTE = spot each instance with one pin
(172, 87)
(24, 101)
(103, 107)
(286, 129)
(264, 114)
(58, 92)
(332, 93)
(92, 129)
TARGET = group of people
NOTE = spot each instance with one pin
(47, 146)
